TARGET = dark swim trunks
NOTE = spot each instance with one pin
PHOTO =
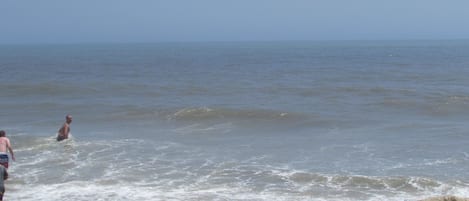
(4, 160)
(60, 138)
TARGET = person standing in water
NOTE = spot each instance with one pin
(5, 146)
(64, 131)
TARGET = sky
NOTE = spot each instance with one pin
(88, 21)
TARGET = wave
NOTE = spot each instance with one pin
(44, 88)
(210, 129)
(158, 170)
(375, 187)
(206, 113)
(200, 114)
(359, 91)
(92, 89)
(439, 105)
(222, 181)
(406, 184)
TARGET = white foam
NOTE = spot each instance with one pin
(205, 129)
(134, 169)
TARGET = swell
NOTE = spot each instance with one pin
(188, 114)
(44, 88)
(199, 113)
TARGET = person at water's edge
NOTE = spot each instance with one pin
(5, 147)
(64, 131)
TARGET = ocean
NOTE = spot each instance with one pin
(319, 121)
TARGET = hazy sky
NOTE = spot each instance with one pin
(67, 21)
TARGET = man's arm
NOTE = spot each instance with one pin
(11, 150)
(12, 154)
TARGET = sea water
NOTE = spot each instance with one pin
(335, 120)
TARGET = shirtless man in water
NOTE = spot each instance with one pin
(65, 129)
(5, 146)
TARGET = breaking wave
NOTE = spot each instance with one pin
(221, 113)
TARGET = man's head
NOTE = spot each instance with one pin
(2, 133)
(68, 118)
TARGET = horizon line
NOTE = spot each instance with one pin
(224, 41)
